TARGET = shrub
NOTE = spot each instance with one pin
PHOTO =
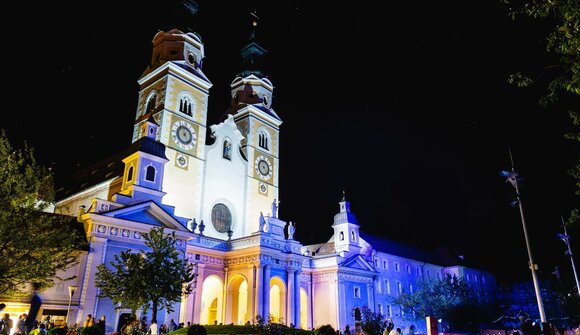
(196, 329)
(92, 330)
(325, 330)
(58, 331)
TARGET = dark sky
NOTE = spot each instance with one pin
(402, 104)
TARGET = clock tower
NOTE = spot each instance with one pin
(174, 92)
(251, 105)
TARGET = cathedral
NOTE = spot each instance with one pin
(219, 193)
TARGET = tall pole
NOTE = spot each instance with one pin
(71, 292)
(566, 239)
(512, 178)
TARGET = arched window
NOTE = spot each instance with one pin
(186, 105)
(150, 173)
(227, 151)
(264, 139)
(352, 236)
(341, 236)
(130, 174)
(151, 102)
(357, 314)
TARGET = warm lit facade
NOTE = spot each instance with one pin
(220, 199)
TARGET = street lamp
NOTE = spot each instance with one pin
(512, 177)
(566, 239)
(71, 292)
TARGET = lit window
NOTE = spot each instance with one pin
(357, 292)
(418, 272)
(379, 286)
(483, 279)
(399, 287)
(387, 287)
(410, 288)
(467, 277)
(475, 278)
(150, 173)
(380, 308)
(408, 269)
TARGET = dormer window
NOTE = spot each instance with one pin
(227, 150)
(186, 105)
(151, 102)
(150, 173)
(264, 139)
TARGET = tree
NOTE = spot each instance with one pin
(35, 246)
(373, 323)
(154, 279)
(563, 78)
(437, 298)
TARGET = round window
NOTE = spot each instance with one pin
(221, 218)
(191, 58)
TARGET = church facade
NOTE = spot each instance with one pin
(220, 197)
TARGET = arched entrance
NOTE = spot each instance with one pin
(211, 300)
(277, 299)
(303, 309)
(238, 300)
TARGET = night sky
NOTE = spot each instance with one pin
(404, 105)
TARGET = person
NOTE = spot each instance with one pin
(346, 330)
(172, 325)
(35, 303)
(21, 325)
(6, 326)
(89, 321)
(101, 324)
(153, 330)
(188, 324)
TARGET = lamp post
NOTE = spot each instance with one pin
(512, 178)
(71, 292)
(566, 239)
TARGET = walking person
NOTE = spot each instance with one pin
(35, 303)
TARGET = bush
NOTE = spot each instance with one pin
(58, 331)
(325, 330)
(196, 330)
(93, 330)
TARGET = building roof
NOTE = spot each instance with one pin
(108, 168)
(399, 249)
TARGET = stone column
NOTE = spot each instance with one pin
(258, 290)
(290, 297)
(196, 313)
(297, 306)
(226, 312)
(266, 293)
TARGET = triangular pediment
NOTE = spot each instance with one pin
(148, 213)
(357, 262)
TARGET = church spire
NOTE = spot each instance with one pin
(252, 52)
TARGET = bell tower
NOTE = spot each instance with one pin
(251, 105)
(174, 92)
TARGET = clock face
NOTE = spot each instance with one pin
(183, 135)
(263, 167)
(181, 161)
